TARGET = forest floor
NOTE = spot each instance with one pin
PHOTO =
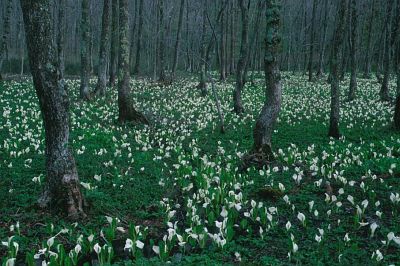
(175, 186)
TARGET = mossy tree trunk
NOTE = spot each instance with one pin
(114, 43)
(104, 48)
(85, 47)
(273, 91)
(6, 33)
(62, 190)
(61, 37)
(335, 70)
(241, 66)
(353, 51)
(127, 112)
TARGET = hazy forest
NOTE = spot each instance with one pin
(199, 132)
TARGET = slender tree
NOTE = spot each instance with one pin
(312, 39)
(320, 70)
(114, 43)
(367, 68)
(273, 91)
(384, 92)
(178, 38)
(353, 51)
(6, 33)
(62, 188)
(202, 86)
(161, 44)
(85, 42)
(127, 112)
(335, 59)
(104, 48)
(61, 36)
(396, 42)
(241, 66)
(139, 40)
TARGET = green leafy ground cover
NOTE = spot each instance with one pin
(173, 192)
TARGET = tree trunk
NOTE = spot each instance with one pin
(241, 66)
(104, 48)
(61, 37)
(396, 41)
(85, 42)
(114, 43)
(323, 41)
(367, 68)
(265, 123)
(6, 33)
(178, 38)
(127, 112)
(222, 49)
(62, 188)
(384, 92)
(311, 56)
(335, 59)
(161, 46)
(139, 41)
(202, 86)
(353, 51)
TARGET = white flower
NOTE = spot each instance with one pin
(318, 238)
(78, 248)
(109, 219)
(128, 244)
(156, 250)
(10, 262)
(97, 248)
(97, 177)
(295, 247)
(90, 238)
(351, 199)
(346, 237)
(301, 217)
(373, 228)
(224, 212)
(288, 225)
(139, 244)
(50, 242)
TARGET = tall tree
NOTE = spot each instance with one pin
(139, 40)
(312, 39)
(396, 42)
(222, 52)
(335, 59)
(62, 188)
(203, 53)
(320, 70)
(104, 48)
(244, 50)
(353, 51)
(178, 38)
(161, 42)
(6, 33)
(273, 90)
(384, 92)
(85, 43)
(61, 36)
(127, 112)
(367, 68)
(114, 43)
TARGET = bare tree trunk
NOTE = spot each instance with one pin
(266, 121)
(323, 41)
(6, 33)
(61, 37)
(335, 59)
(104, 48)
(384, 92)
(127, 112)
(114, 43)
(85, 42)
(178, 38)
(161, 47)
(367, 68)
(241, 66)
(311, 57)
(203, 60)
(62, 187)
(353, 51)
(139, 41)
(222, 49)
(396, 41)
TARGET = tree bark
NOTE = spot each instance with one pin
(384, 92)
(335, 59)
(127, 112)
(104, 48)
(61, 37)
(161, 46)
(62, 188)
(178, 38)
(6, 33)
(202, 86)
(85, 42)
(139, 41)
(353, 51)
(114, 43)
(241, 66)
(222, 49)
(273, 91)
(323, 41)
(367, 68)
(312, 35)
